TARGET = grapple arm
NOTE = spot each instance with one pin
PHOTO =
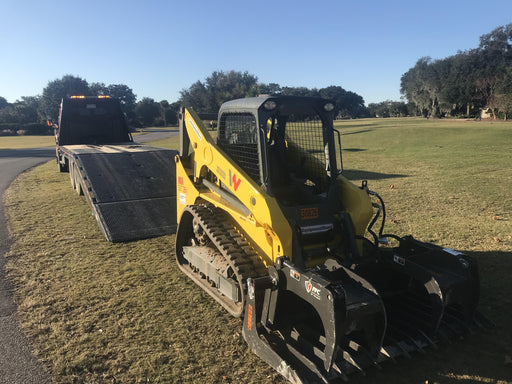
(300, 322)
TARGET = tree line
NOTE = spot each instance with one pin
(221, 86)
(465, 83)
(30, 114)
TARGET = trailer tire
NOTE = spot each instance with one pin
(72, 176)
(63, 168)
(78, 185)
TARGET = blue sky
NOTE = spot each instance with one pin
(159, 47)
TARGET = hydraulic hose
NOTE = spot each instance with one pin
(381, 208)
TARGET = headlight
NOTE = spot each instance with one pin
(329, 107)
(270, 105)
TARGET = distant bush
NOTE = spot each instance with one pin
(158, 122)
(8, 129)
(35, 129)
(11, 129)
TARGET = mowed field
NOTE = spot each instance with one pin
(123, 313)
(20, 142)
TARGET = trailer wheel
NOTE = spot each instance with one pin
(62, 168)
(72, 176)
(78, 185)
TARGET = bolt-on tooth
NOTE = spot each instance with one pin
(348, 357)
(353, 345)
(384, 355)
(404, 324)
(342, 376)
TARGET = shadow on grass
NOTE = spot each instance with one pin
(353, 174)
(29, 152)
(356, 132)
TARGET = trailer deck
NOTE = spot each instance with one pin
(130, 188)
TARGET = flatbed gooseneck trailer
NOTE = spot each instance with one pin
(130, 187)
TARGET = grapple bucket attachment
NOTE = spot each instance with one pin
(314, 326)
(321, 325)
(430, 293)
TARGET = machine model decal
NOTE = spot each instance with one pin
(181, 187)
(309, 213)
(221, 172)
(194, 127)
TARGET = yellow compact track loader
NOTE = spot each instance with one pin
(270, 228)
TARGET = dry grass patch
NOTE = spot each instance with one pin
(99, 312)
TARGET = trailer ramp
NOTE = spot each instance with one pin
(131, 188)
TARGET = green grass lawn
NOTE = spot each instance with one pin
(98, 312)
(23, 142)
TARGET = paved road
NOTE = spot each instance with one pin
(151, 134)
(17, 363)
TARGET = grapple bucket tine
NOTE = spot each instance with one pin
(251, 335)
(307, 363)
(353, 345)
(348, 357)
(405, 325)
(397, 345)
(429, 341)
(340, 372)
(408, 338)
(315, 341)
(385, 355)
